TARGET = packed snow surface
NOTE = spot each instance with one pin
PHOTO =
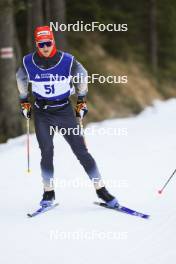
(135, 162)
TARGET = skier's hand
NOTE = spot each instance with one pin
(26, 109)
(81, 108)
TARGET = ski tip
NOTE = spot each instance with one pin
(97, 203)
(29, 215)
(147, 217)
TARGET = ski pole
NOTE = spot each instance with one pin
(28, 149)
(161, 190)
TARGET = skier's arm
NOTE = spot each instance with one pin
(81, 73)
(22, 83)
(81, 88)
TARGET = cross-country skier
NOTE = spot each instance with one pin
(52, 107)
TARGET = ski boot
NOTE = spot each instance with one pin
(109, 199)
(48, 198)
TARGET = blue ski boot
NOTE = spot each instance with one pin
(110, 200)
(48, 198)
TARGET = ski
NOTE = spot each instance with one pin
(124, 209)
(42, 210)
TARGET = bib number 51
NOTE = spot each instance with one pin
(49, 89)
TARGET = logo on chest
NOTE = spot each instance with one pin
(50, 77)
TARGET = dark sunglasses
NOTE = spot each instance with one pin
(42, 44)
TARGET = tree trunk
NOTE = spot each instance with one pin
(34, 19)
(58, 14)
(153, 35)
(17, 49)
(10, 124)
(47, 12)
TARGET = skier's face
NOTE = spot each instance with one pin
(45, 47)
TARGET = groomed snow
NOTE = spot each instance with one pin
(134, 166)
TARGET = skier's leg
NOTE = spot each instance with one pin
(67, 120)
(45, 141)
(76, 141)
(79, 148)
